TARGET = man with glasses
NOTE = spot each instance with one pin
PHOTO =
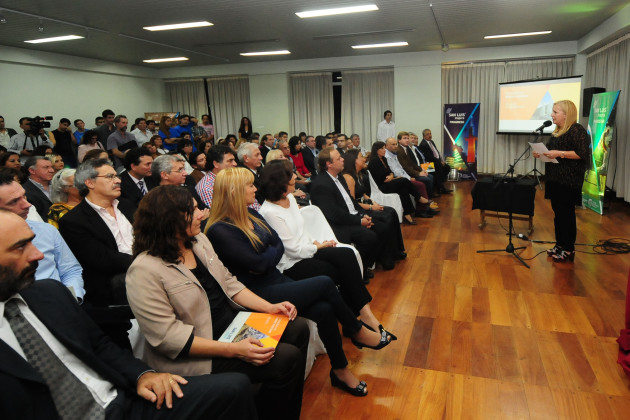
(170, 170)
(98, 231)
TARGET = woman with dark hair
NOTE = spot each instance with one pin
(89, 141)
(205, 146)
(245, 130)
(184, 298)
(42, 150)
(10, 160)
(96, 154)
(389, 184)
(198, 162)
(169, 143)
(294, 148)
(251, 250)
(159, 145)
(304, 257)
(185, 148)
(570, 145)
(357, 178)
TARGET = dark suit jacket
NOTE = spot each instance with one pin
(37, 198)
(23, 392)
(263, 151)
(91, 241)
(408, 162)
(310, 161)
(326, 196)
(428, 152)
(129, 189)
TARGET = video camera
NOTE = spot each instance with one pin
(39, 123)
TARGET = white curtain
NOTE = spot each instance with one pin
(365, 95)
(479, 82)
(187, 97)
(229, 102)
(311, 107)
(609, 68)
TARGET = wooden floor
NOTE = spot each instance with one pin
(482, 337)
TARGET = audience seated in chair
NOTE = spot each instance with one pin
(99, 233)
(250, 158)
(63, 194)
(179, 335)
(251, 250)
(135, 180)
(372, 237)
(410, 164)
(45, 331)
(219, 158)
(170, 170)
(40, 173)
(429, 150)
(58, 262)
(304, 257)
(309, 155)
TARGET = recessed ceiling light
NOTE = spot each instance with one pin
(385, 45)
(165, 60)
(281, 52)
(512, 35)
(54, 39)
(177, 26)
(337, 11)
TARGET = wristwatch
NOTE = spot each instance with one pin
(562, 154)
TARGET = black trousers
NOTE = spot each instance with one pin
(282, 379)
(226, 396)
(316, 298)
(390, 236)
(404, 189)
(340, 264)
(366, 241)
(563, 205)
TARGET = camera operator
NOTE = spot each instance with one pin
(33, 135)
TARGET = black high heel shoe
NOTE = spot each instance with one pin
(563, 256)
(384, 341)
(359, 391)
(381, 329)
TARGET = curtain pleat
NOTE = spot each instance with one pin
(479, 82)
(187, 97)
(609, 68)
(311, 106)
(229, 102)
(365, 95)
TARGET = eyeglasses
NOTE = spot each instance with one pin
(109, 177)
(180, 170)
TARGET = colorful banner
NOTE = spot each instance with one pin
(601, 125)
(461, 128)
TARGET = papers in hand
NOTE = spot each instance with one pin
(541, 149)
(267, 328)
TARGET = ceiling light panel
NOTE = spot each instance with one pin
(337, 11)
(165, 60)
(177, 26)
(514, 35)
(280, 52)
(384, 45)
(54, 39)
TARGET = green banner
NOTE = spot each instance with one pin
(600, 128)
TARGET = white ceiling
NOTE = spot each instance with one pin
(113, 28)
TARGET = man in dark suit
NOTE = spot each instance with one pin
(309, 154)
(99, 233)
(55, 362)
(266, 144)
(136, 180)
(374, 239)
(250, 158)
(170, 170)
(408, 160)
(430, 151)
(37, 186)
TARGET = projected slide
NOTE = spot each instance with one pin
(524, 106)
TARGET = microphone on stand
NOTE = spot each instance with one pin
(545, 124)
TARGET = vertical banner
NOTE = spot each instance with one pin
(601, 125)
(461, 128)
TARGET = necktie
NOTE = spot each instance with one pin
(435, 152)
(142, 187)
(414, 155)
(70, 395)
(421, 155)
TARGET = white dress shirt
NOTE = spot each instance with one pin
(385, 130)
(344, 193)
(119, 226)
(103, 391)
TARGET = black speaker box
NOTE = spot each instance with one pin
(588, 99)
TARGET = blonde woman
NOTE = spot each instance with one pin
(251, 250)
(275, 154)
(569, 144)
(56, 160)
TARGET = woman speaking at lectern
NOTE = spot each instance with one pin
(569, 144)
